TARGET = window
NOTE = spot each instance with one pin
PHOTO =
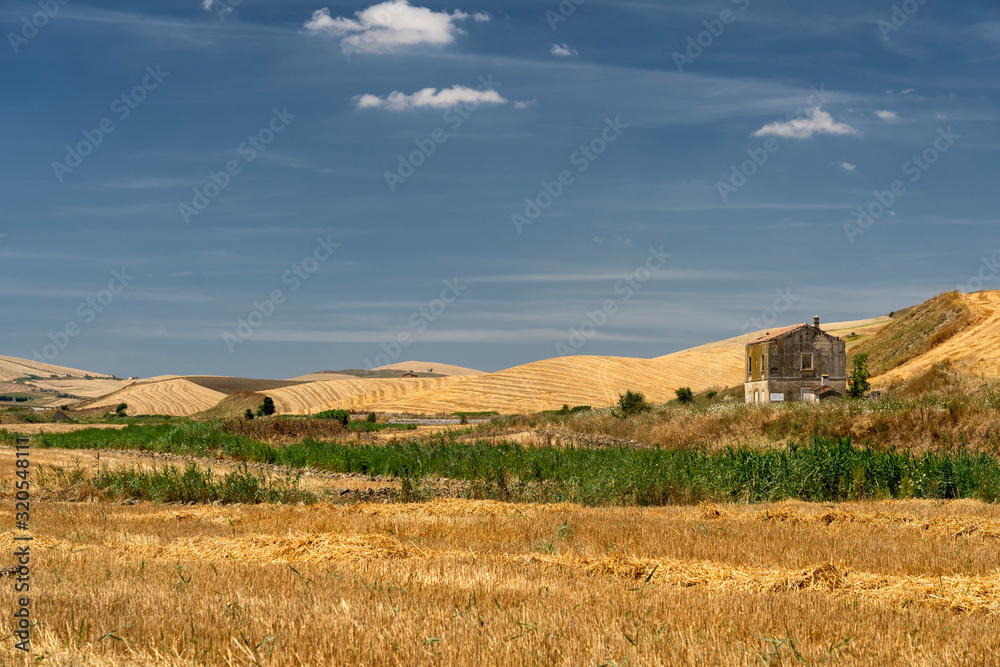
(807, 362)
(749, 368)
(762, 373)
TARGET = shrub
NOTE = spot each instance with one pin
(631, 403)
(372, 418)
(343, 416)
(248, 414)
(120, 409)
(684, 395)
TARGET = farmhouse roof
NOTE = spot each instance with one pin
(771, 335)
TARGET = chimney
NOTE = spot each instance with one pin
(816, 321)
(826, 379)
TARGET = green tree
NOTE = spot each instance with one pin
(684, 395)
(248, 414)
(372, 418)
(631, 403)
(120, 409)
(858, 385)
(266, 408)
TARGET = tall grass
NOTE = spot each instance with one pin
(821, 469)
(169, 484)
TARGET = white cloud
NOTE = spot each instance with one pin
(430, 98)
(818, 122)
(524, 104)
(562, 51)
(389, 25)
(887, 115)
(846, 166)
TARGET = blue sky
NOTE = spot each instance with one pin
(736, 139)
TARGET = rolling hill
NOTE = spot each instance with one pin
(32, 375)
(961, 329)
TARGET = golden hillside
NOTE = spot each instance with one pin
(356, 394)
(975, 349)
(177, 397)
(597, 381)
(13, 368)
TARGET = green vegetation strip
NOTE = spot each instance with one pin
(821, 470)
(168, 484)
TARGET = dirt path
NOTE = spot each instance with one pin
(33, 429)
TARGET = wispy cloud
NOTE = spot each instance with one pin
(846, 166)
(388, 26)
(430, 98)
(563, 51)
(818, 122)
(884, 114)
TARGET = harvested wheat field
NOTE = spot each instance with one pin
(12, 368)
(357, 395)
(177, 397)
(466, 582)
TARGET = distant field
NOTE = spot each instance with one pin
(230, 385)
(421, 367)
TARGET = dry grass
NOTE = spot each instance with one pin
(461, 582)
(915, 332)
(941, 410)
(973, 349)
(274, 430)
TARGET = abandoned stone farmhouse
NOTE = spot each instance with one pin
(796, 363)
